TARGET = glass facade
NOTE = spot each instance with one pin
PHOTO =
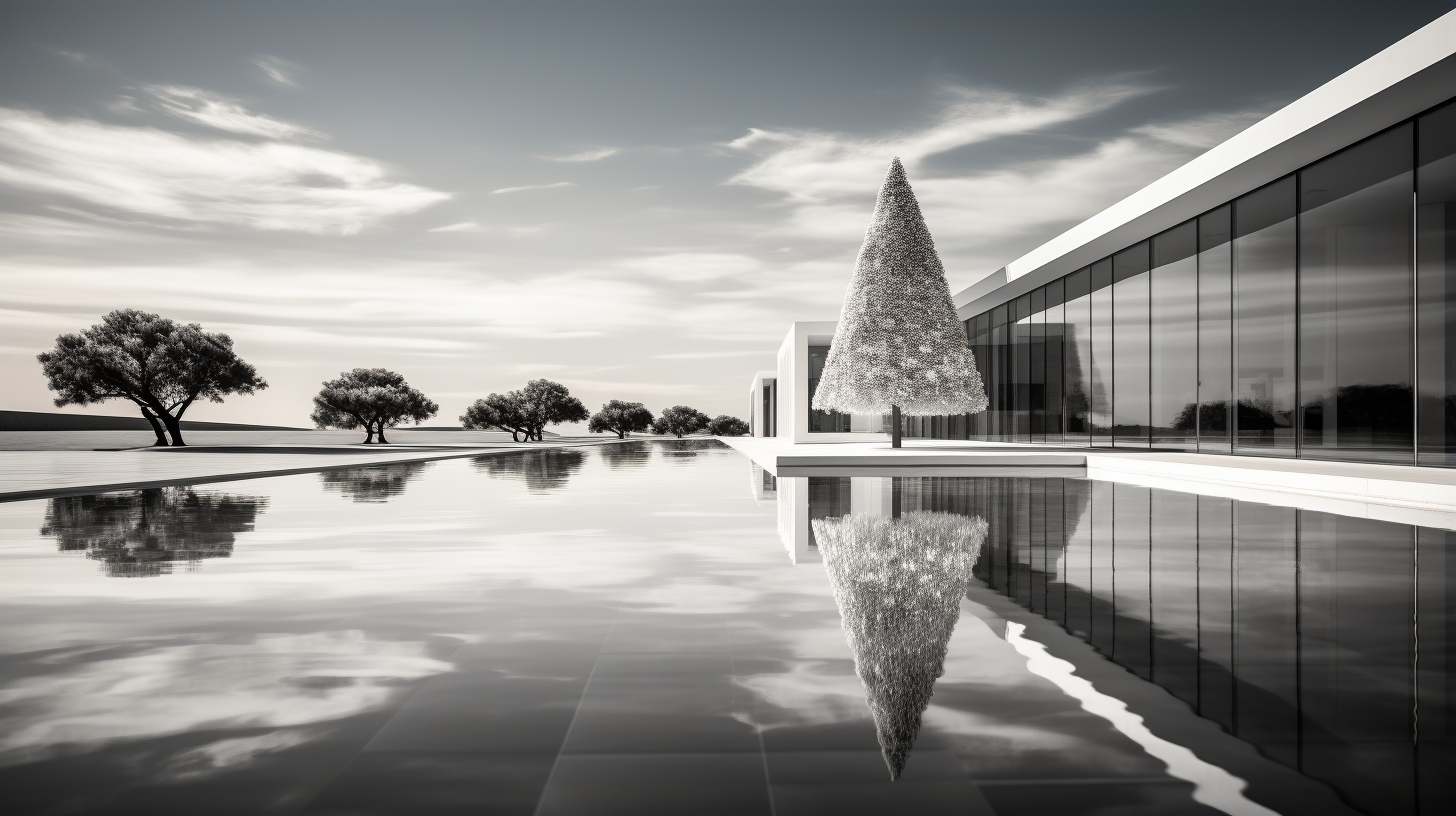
(1314, 317)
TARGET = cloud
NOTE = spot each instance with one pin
(828, 179)
(278, 69)
(706, 355)
(88, 60)
(532, 187)
(216, 111)
(812, 165)
(268, 185)
(463, 226)
(691, 267)
(587, 155)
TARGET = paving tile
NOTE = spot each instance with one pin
(649, 703)
(858, 782)
(420, 784)
(483, 713)
(653, 784)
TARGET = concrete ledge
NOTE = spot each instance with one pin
(26, 475)
(1406, 495)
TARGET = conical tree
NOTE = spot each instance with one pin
(898, 583)
(899, 348)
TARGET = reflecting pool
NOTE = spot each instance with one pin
(618, 629)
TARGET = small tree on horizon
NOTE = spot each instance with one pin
(160, 365)
(621, 418)
(899, 347)
(724, 425)
(680, 420)
(527, 411)
(372, 399)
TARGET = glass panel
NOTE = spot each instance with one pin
(1264, 301)
(1355, 581)
(1355, 303)
(1001, 383)
(1104, 621)
(1174, 346)
(1078, 316)
(1101, 391)
(1056, 338)
(1036, 384)
(822, 421)
(1215, 330)
(1130, 352)
(1021, 372)
(1436, 254)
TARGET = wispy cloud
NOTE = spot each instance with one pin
(268, 185)
(278, 69)
(88, 60)
(595, 154)
(707, 355)
(214, 110)
(828, 178)
(532, 187)
(463, 226)
(690, 267)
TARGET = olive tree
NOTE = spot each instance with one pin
(680, 420)
(621, 418)
(160, 365)
(372, 399)
(724, 425)
(526, 411)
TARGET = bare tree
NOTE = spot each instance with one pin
(621, 418)
(680, 420)
(372, 399)
(160, 365)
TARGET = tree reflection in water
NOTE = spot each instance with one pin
(541, 470)
(686, 448)
(142, 533)
(898, 583)
(375, 483)
(620, 455)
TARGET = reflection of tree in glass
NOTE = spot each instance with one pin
(898, 583)
(541, 470)
(625, 454)
(376, 483)
(142, 532)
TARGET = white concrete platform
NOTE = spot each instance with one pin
(1397, 493)
(44, 474)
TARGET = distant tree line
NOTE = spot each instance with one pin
(163, 367)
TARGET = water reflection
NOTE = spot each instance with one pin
(898, 583)
(1325, 641)
(620, 455)
(541, 470)
(374, 484)
(687, 448)
(142, 533)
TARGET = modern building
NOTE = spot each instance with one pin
(1289, 293)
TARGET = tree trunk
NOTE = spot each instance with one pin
(151, 419)
(621, 434)
(515, 435)
(894, 426)
(174, 427)
(369, 433)
(382, 440)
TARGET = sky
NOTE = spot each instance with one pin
(633, 199)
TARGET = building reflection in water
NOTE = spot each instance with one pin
(374, 484)
(141, 533)
(541, 470)
(1325, 641)
(898, 580)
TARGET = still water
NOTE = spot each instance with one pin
(619, 630)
